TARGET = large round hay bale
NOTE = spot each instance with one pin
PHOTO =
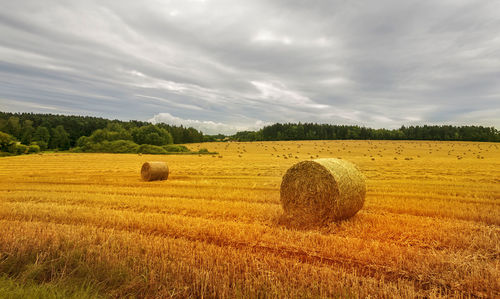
(154, 171)
(322, 190)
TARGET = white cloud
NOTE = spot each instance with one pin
(277, 93)
(207, 126)
(268, 36)
(136, 73)
(337, 81)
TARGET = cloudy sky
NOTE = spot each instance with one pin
(223, 66)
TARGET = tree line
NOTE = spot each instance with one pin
(313, 131)
(21, 132)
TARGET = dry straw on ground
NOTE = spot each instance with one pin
(154, 171)
(322, 190)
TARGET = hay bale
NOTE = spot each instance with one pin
(154, 171)
(322, 190)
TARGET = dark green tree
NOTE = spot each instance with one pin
(42, 137)
(6, 142)
(27, 132)
(151, 134)
(59, 138)
(42, 134)
(13, 127)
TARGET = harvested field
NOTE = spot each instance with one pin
(429, 227)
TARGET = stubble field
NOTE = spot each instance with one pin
(86, 224)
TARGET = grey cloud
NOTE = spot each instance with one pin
(241, 63)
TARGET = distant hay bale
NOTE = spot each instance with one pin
(322, 190)
(154, 171)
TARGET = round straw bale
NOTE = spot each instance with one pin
(322, 190)
(153, 171)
